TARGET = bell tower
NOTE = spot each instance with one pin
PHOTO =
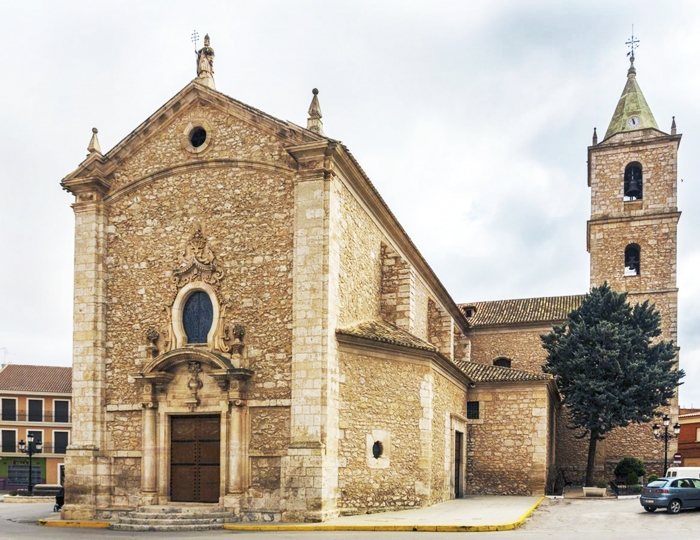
(632, 174)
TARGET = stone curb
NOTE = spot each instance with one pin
(18, 499)
(77, 523)
(379, 527)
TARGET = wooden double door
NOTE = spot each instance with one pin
(195, 458)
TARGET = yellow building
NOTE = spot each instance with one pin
(35, 401)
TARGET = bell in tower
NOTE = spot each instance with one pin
(633, 182)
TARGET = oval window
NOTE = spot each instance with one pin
(197, 317)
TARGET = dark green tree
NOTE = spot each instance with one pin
(608, 367)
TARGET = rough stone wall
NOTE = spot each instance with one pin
(507, 445)
(397, 301)
(249, 232)
(126, 481)
(390, 402)
(521, 344)
(420, 308)
(124, 430)
(448, 399)
(360, 243)
(229, 137)
(656, 239)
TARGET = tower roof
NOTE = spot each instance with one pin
(632, 112)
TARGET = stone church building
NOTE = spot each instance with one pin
(253, 327)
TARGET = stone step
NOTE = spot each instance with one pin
(166, 521)
(184, 509)
(165, 528)
(173, 515)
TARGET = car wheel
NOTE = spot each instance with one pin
(674, 506)
(650, 508)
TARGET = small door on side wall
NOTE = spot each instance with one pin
(194, 458)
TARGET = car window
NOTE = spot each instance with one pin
(676, 483)
(696, 483)
(657, 483)
(685, 484)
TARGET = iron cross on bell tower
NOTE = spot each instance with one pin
(633, 43)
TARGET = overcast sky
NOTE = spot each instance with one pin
(472, 119)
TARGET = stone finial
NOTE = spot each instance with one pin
(94, 145)
(205, 64)
(673, 126)
(314, 122)
(595, 137)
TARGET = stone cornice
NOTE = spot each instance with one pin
(636, 217)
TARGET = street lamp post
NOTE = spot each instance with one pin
(30, 448)
(666, 436)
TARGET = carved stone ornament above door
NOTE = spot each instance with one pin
(197, 262)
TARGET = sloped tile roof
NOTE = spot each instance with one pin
(488, 373)
(49, 379)
(386, 332)
(524, 310)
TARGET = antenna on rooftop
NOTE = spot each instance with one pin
(4, 355)
(195, 39)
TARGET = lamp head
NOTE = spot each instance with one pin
(22, 445)
(30, 438)
(677, 428)
(655, 429)
(666, 420)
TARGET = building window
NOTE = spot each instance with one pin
(60, 442)
(197, 317)
(502, 361)
(633, 182)
(35, 410)
(9, 409)
(469, 311)
(9, 440)
(472, 410)
(632, 260)
(697, 434)
(61, 411)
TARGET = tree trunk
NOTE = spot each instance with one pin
(590, 466)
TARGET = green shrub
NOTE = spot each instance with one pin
(631, 479)
(630, 466)
(13, 493)
(601, 483)
(653, 477)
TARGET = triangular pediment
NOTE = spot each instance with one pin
(196, 100)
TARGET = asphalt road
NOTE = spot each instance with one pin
(576, 519)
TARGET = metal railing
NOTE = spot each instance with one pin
(32, 417)
(45, 449)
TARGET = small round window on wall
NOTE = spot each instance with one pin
(197, 137)
(377, 449)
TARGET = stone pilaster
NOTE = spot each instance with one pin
(87, 470)
(309, 471)
(441, 329)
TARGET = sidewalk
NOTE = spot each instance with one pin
(472, 514)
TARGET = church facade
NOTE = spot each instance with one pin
(254, 328)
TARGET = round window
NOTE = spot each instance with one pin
(198, 136)
(377, 449)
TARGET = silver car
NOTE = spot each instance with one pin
(673, 494)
